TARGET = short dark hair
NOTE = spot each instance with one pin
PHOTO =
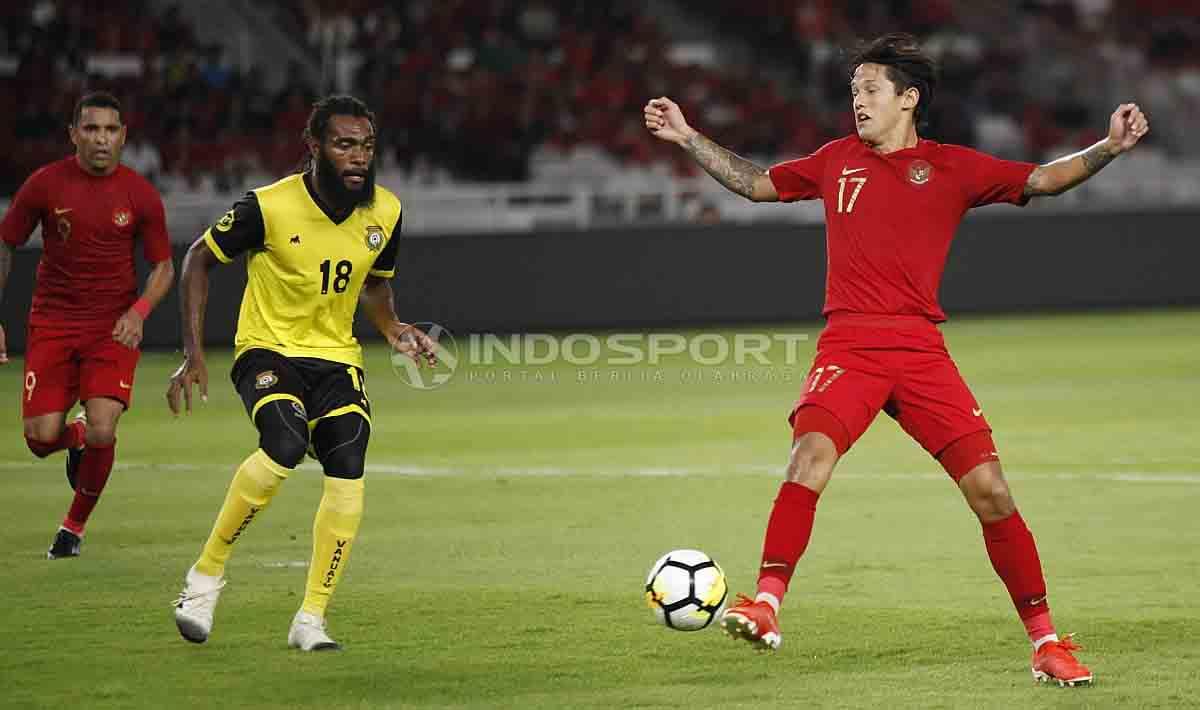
(95, 99)
(908, 67)
(334, 105)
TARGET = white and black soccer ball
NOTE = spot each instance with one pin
(686, 590)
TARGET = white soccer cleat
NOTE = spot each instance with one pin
(308, 633)
(196, 604)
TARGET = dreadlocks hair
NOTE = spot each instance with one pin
(907, 66)
(95, 99)
(325, 109)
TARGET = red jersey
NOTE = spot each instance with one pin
(89, 227)
(889, 219)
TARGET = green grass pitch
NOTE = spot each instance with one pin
(512, 516)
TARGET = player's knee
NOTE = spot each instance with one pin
(348, 466)
(40, 447)
(42, 431)
(282, 433)
(345, 459)
(100, 434)
(812, 460)
(987, 492)
(286, 450)
(341, 446)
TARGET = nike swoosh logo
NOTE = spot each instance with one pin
(847, 171)
(977, 412)
(1035, 602)
(62, 210)
(124, 385)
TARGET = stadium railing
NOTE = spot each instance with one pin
(647, 198)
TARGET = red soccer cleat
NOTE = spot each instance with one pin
(752, 621)
(1054, 662)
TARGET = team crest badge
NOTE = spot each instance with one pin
(122, 217)
(374, 237)
(919, 172)
(225, 222)
(265, 380)
(64, 228)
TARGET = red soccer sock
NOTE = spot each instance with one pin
(788, 532)
(93, 475)
(70, 438)
(1014, 556)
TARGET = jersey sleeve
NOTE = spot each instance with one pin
(156, 244)
(385, 263)
(239, 230)
(24, 212)
(800, 179)
(988, 179)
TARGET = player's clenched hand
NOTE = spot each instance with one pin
(128, 330)
(3, 347)
(193, 371)
(413, 342)
(665, 120)
(1126, 127)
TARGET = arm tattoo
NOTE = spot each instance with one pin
(733, 171)
(1056, 177)
(1096, 157)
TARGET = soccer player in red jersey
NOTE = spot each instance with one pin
(892, 204)
(86, 321)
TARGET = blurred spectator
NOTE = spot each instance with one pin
(141, 155)
(485, 90)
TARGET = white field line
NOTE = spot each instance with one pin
(1187, 477)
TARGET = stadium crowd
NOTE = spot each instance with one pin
(476, 90)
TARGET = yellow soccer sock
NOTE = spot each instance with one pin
(251, 490)
(334, 529)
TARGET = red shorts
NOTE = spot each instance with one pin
(65, 365)
(898, 364)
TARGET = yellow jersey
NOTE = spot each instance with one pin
(304, 270)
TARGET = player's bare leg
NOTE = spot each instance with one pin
(45, 434)
(99, 439)
(1013, 553)
(810, 466)
(48, 433)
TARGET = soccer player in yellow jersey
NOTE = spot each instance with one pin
(315, 242)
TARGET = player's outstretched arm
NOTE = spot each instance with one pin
(666, 122)
(6, 257)
(1125, 128)
(379, 304)
(193, 298)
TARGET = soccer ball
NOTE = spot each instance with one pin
(686, 590)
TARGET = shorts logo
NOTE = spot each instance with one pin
(919, 172)
(124, 385)
(30, 385)
(374, 237)
(977, 412)
(225, 223)
(298, 410)
(122, 217)
(265, 380)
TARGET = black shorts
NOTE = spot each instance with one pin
(321, 388)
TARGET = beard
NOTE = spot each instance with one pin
(332, 184)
